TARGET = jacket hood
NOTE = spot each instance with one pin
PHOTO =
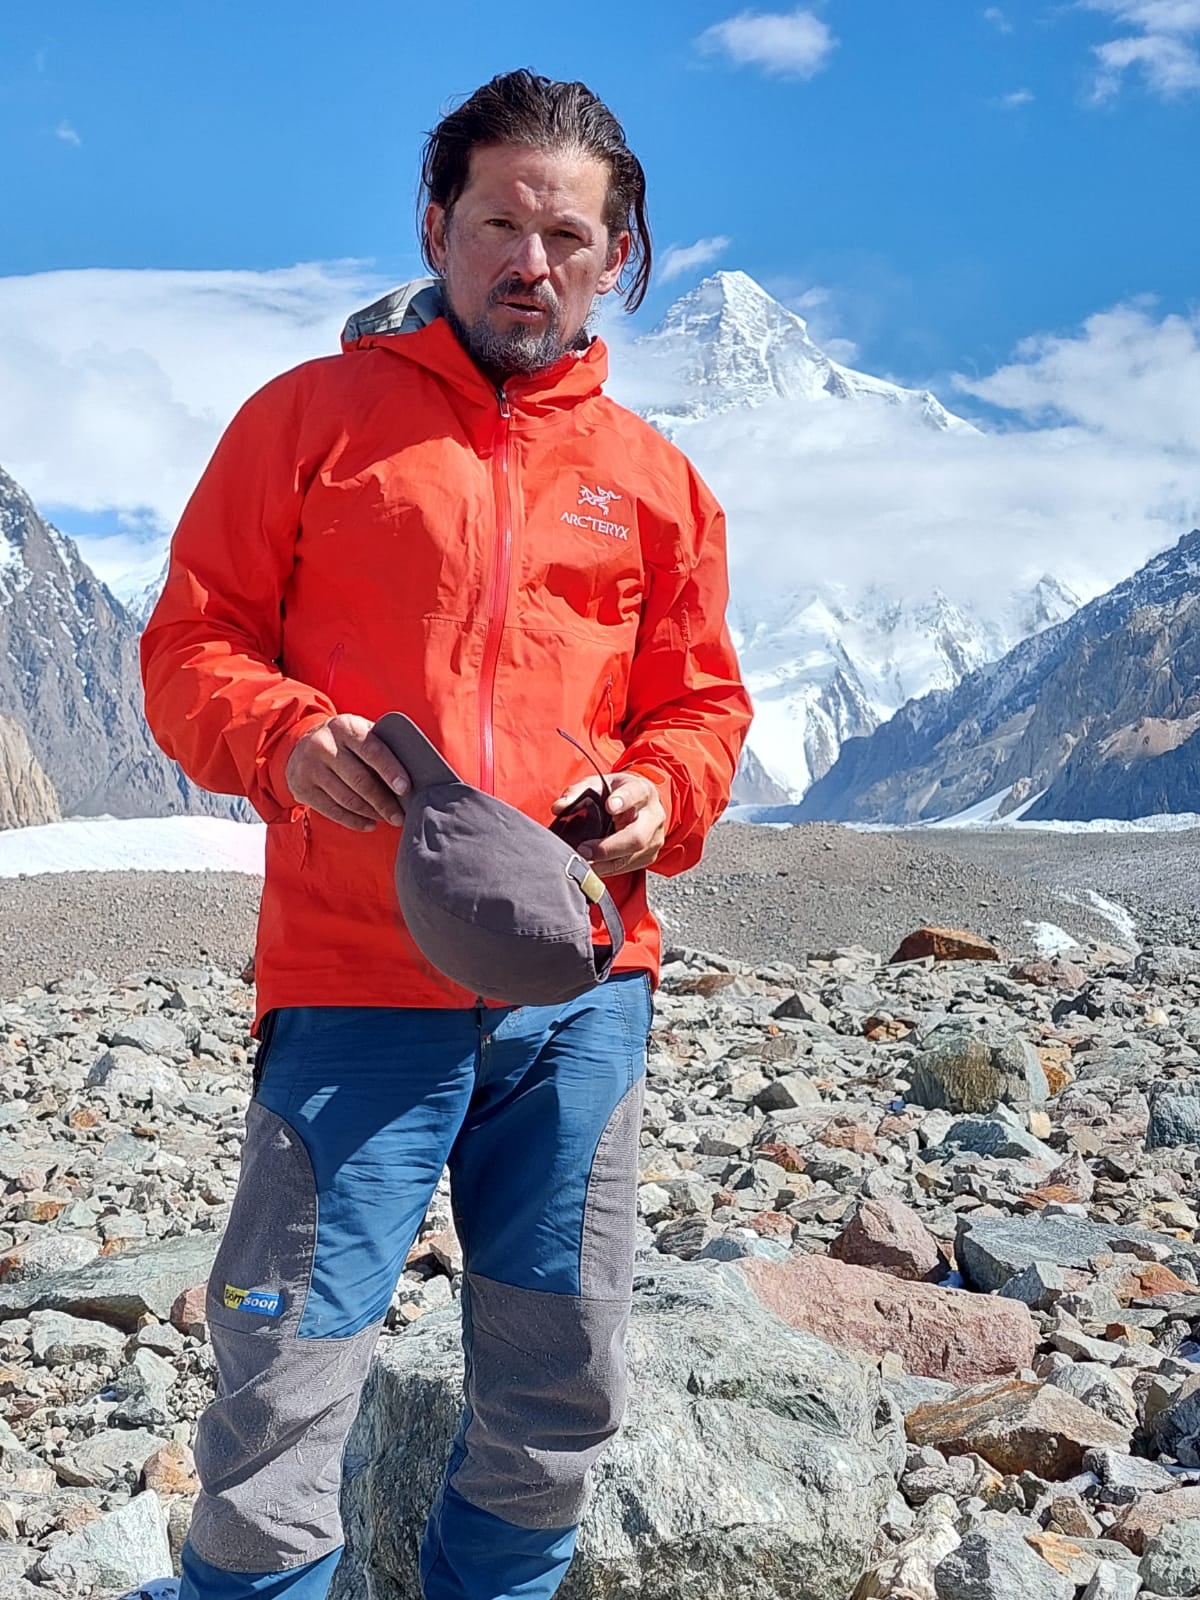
(413, 305)
(409, 321)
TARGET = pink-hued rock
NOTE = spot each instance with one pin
(189, 1309)
(937, 1333)
(1149, 1515)
(1015, 1427)
(890, 1236)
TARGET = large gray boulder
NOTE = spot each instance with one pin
(754, 1464)
(119, 1289)
(1174, 1115)
(991, 1250)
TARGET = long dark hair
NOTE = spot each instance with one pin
(524, 109)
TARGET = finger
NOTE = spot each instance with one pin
(631, 793)
(336, 813)
(376, 755)
(614, 853)
(359, 778)
(344, 796)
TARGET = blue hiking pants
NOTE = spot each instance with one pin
(357, 1110)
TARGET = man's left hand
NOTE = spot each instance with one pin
(641, 824)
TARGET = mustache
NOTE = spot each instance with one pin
(540, 295)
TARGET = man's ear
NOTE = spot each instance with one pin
(618, 255)
(436, 220)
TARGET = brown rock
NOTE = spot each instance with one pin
(772, 1225)
(890, 1236)
(937, 1333)
(171, 1470)
(1058, 1077)
(1050, 1194)
(440, 1249)
(945, 944)
(1064, 1555)
(887, 1030)
(853, 1138)
(706, 985)
(1147, 1281)
(782, 1154)
(1018, 1427)
(1139, 1522)
(1070, 1517)
(188, 1309)
(1053, 974)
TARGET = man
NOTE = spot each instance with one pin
(449, 520)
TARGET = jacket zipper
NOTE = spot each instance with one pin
(604, 707)
(497, 601)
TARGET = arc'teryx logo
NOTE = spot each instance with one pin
(602, 499)
(597, 497)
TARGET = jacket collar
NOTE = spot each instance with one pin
(409, 323)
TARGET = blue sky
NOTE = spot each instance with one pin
(955, 193)
(947, 220)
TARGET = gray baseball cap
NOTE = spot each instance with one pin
(495, 901)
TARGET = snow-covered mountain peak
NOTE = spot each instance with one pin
(727, 345)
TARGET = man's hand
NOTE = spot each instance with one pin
(343, 771)
(641, 824)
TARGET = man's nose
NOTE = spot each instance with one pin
(529, 258)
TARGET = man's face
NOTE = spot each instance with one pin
(524, 252)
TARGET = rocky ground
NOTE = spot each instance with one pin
(760, 894)
(968, 1183)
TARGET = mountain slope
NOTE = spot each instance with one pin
(825, 661)
(1096, 717)
(728, 344)
(69, 676)
(826, 666)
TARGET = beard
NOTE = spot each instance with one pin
(519, 350)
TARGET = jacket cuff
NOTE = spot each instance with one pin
(274, 772)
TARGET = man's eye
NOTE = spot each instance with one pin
(498, 222)
(565, 233)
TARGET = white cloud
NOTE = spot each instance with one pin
(683, 258)
(67, 134)
(1097, 467)
(1164, 47)
(793, 44)
(821, 310)
(1019, 97)
(115, 385)
(998, 20)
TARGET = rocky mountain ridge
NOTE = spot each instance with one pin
(826, 661)
(27, 797)
(1095, 717)
(69, 677)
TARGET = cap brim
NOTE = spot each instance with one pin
(423, 762)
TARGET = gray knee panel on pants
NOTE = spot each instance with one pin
(269, 1448)
(546, 1377)
(545, 1391)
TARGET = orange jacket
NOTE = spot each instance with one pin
(381, 530)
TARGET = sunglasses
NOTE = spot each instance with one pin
(587, 820)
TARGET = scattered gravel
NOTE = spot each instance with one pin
(774, 893)
(120, 922)
(760, 894)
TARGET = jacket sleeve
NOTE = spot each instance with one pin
(216, 698)
(687, 711)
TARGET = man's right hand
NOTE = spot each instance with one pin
(343, 771)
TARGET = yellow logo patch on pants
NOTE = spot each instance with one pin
(263, 1302)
